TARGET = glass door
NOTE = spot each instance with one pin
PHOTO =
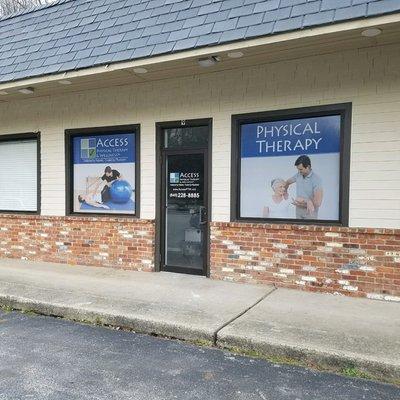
(185, 216)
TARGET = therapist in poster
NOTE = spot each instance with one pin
(104, 173)
(290, 169)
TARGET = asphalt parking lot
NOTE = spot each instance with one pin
(48, 358)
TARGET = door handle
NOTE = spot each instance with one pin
(203, 215)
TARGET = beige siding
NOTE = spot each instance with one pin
(369, 78)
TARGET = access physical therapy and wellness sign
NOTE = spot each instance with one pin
(184, 185)
(104, 149)
(269, 151)
(104, 173)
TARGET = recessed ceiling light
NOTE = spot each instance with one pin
(28, 90)
(3, 92)
(140, 70)
(371, 32)
(208, 61)
(235, 54)
(65, 82)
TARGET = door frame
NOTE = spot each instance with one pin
(160, 210)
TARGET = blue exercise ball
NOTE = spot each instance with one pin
(120, 191)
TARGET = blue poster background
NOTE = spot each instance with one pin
(104, 149)
(315, 135)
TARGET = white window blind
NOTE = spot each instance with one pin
(18, 175)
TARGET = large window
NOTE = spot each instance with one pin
(292, 165)
(19, 176)
(102, 173)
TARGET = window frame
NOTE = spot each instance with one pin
(342, 109)
(34, 136)
(70, 134)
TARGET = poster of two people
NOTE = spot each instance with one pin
(104, 173)
(290, 169)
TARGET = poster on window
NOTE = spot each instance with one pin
(104, 173)
(290, 169)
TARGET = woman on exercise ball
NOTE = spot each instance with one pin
(100, 191)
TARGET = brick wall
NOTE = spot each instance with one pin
(350, 261)
(110, 242)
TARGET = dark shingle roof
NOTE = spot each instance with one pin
(74, 34)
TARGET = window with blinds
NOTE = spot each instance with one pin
(18, 175)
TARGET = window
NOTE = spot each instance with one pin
(186, 137)
(292, 165)
(19, 177)
(103, 170)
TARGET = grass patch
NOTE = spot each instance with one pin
(354, 372)
(201, 342)
(30, 313)
(5, 308)
(275, 359)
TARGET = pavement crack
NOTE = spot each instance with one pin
(215, 335)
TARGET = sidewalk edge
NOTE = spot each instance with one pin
(315, 359)
(98, 317)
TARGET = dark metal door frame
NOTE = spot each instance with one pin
(161, 154)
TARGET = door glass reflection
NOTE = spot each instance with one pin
(185, 211)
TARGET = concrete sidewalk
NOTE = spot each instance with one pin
(314, 329)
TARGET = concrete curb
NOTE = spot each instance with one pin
(98, 317)
(312, 358)
(276, 352)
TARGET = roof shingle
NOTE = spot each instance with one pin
(73, 34)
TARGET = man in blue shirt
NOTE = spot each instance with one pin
(309, 192)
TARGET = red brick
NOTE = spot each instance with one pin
(361, 247)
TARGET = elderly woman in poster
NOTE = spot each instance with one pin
(278, 205)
